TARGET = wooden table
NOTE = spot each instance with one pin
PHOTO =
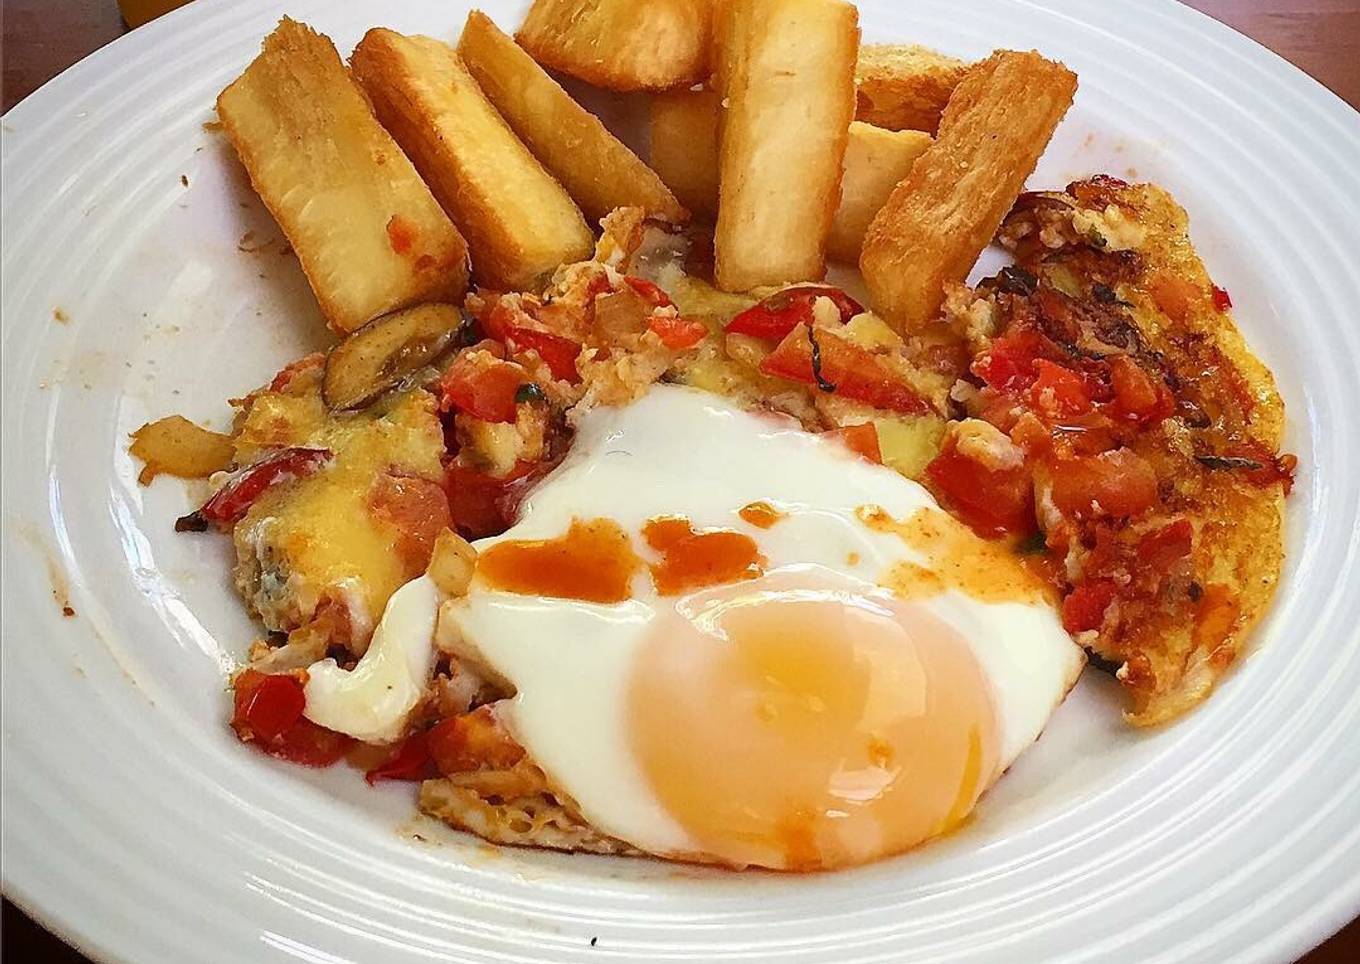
(42, 38)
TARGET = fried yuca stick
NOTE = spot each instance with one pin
(876, 161)
(786, 70)
(622, 45)
(905, 87)
(939, 219)
(369, 235)
(684, 136)
(595, 167)
(519, 222)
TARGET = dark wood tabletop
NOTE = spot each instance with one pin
(43, 38)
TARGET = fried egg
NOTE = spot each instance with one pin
(732, 641)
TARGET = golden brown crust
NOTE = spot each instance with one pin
(905, 87)
(1117, 277)
(621, 45)
(519, 222)
(939, 219)
(786, 72)
(595, 167)
(366, 229)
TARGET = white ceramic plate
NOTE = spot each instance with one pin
(137, 827)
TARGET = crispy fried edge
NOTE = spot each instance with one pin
(905, 87)
(1247, 549)
(621, 45)
(595, 167)
(782, 137)
(876, 161)
(310, 61)
(520, 223)
(939, 219)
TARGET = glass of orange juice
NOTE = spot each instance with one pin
(137, 12)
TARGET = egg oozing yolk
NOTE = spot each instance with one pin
(797, 723)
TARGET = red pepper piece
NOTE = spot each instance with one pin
(676, 333)
(1119, 483)
(816, 357)
(557, 351)
(409, 761)
(268, 713)
(1058, 391)
(1085, 606)
(785, 310)
(991, 502)
(1167, 545)
(234, 500)
(861, 439)
(482, 390)
(1222, 301)
(1008, 363)
(651, 292)
(1139, 397)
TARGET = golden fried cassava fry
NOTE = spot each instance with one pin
(370, 236)
(904, 87)
(621, 45)
(519, 222)
(591, 163)
(939, 219)
(875, 162)
(684, 134)
(786, 72)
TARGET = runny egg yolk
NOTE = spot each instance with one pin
(785, 724)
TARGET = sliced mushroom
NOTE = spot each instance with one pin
(387, 350)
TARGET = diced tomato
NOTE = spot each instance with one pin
(1139, 397)
(498, 319)
(558, 352)
(1058, 391)
(784, 310)
(234, 499)
(860, 439)
(1167, 545)
(472, 741)
(409, 761)
(268, 713)
(479, 504)
(677, 333)
(1085, 606)
(418, 509)
(651, 292)
(991, 502)
(1008, 363)
(1222, 301)
(834, 365)
(1118, 483)
(268, 705)
(482, 389)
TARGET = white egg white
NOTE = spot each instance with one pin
(682, 452)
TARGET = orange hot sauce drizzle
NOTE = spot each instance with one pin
(593, 562)
(762, 515)
(693, 560)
